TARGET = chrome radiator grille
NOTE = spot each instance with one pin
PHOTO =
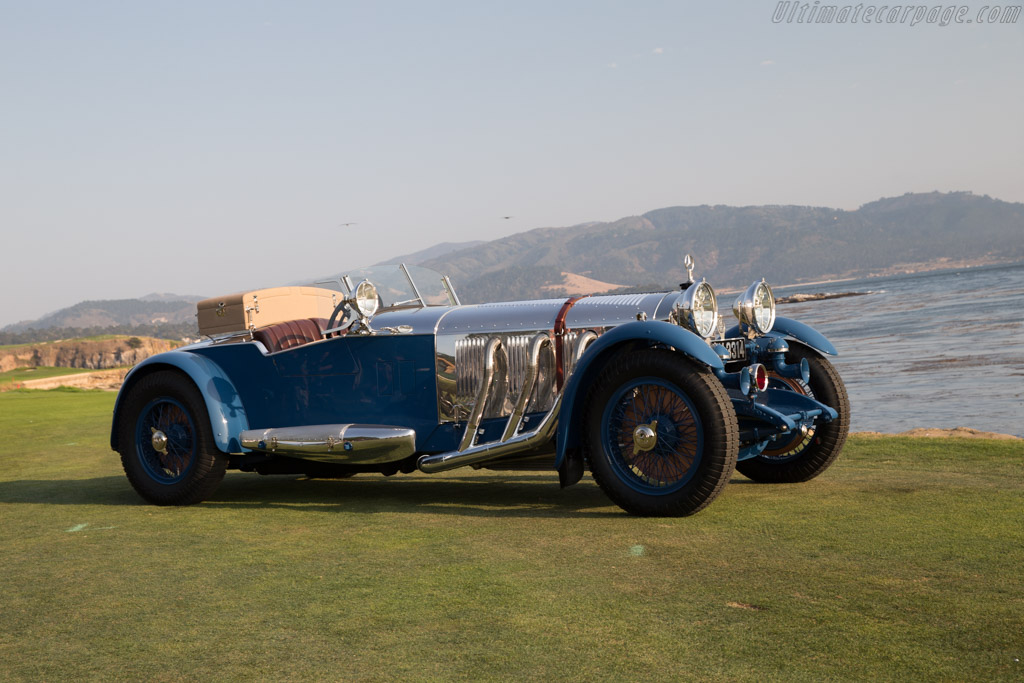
(469, 364)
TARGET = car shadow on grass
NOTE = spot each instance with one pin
(481, 495)
(110, 490)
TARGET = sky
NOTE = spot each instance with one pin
(207, 147)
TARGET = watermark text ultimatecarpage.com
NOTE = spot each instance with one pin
(790, 12)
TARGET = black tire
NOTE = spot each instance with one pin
(189, 467)
(805, 457)
(692, 453)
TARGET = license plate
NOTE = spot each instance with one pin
(737, 348)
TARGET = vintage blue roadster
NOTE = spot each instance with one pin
(648, 391)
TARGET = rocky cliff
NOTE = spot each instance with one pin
(95, 354)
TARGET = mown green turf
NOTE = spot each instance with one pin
(18, 375)
(903, 561)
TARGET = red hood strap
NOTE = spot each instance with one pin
(559, 333)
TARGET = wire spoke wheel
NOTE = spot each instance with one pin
(167, 417)
(661, 436)
(166, 442)
(677, 440)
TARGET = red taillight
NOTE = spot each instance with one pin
(760, 377)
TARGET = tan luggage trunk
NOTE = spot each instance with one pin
(262, 307)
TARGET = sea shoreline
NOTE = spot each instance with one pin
(942, 433)
(898, 270)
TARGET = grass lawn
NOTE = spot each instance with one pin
(903, 561)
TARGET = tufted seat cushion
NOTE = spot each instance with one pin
(290, 333)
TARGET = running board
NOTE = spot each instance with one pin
(338, 443)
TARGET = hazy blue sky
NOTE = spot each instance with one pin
(207, 147)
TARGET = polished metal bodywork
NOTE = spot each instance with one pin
(462, 335)
(338, 443)
(609, 311)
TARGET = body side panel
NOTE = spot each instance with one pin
(382, 380)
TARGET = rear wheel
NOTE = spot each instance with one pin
(166, 443)
(661, 434)
(804, 457)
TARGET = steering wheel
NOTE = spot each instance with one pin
(339, 316)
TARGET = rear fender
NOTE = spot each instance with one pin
(622, 338)
(223, 404)
(794, 329)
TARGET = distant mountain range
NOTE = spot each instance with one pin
(436, 251)
(731, 245)
(152, 309)
(734, 245)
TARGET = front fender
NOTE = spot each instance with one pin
(223, 404)
(644, 333)
(787, 327)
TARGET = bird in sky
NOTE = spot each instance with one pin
(507, 217)
(345, 225)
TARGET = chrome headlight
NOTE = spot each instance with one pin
(697, 309)
(755, 308)
(366, 299)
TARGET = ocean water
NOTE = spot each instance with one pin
(940, 349)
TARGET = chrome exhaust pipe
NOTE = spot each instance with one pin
(473, 423)
(511, 441)
(532, 370)
(473, 455)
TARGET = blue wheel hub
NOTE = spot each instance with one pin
(653, 435)
(165, 440)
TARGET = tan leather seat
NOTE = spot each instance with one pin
(290, 333)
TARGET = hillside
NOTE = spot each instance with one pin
(733, 245)
(152, 309)
(436, 251)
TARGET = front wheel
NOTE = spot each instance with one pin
(166, 443)
(661, 434)
(804, 457)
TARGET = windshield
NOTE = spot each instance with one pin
(394, 287)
